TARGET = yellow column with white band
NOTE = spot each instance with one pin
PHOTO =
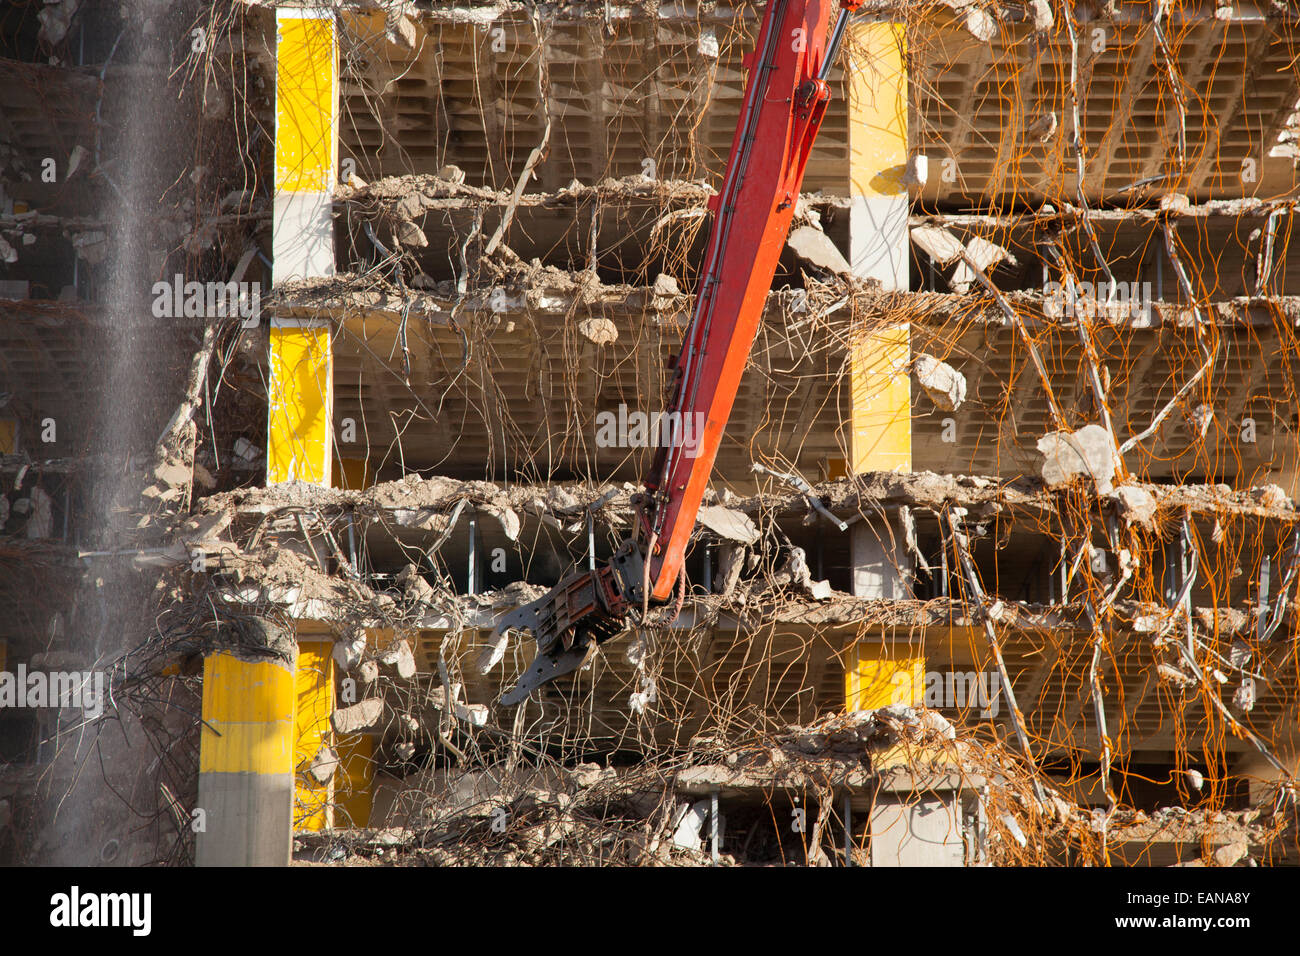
(876, 673)
(306, 160)
(246, 750)
(306, 143)
(250, 733)
(881, 432)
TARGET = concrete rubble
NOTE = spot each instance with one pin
(359, 716)
(944, 384)
(1083, 559)
(639, 815)
(1088, 453)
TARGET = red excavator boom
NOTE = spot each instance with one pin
(785, 101)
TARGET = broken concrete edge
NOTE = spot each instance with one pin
(300, 592)
(405, 501)
(489, 11)
(551, 290)
(1249, 208)
(832, 758)
(1226, 837)
(249, 638)
(833, 752)
(410, 194)
(548, 290)
(431, 192)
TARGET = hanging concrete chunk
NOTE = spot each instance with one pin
(600, 330)
(801, 576)
(366, 713)
(402, 31)
(56, 18)
(1013, 828)
(982, 255)
(708, 43)
(665, 293)
(1043, 128)
(1086, 453)
(981, 24)
(493, 651)
(1200, 418)
(938, 243)
(690, 824)
(1136, 505)
(944, 384)
(1041, 12)
(813, 247)
(1243, 699)
(349, 651)
(417, 589)
(978, 21)
(324, 764)
(730, 565)
(399, 657)
(475, 715)
(729, 523)
(409, 234)
(506, 517)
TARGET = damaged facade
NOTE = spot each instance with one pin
(998, 560)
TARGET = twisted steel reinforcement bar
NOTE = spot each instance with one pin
(785, 102)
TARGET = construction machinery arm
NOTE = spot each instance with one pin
(785, 101)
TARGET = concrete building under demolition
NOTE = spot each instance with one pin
(333, 332)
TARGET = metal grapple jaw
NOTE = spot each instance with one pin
(546, 666)
(585, 609)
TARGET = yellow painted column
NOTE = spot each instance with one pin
(880, 383)
(300, 402)
(306, 143)
(246, 763)
(306, 160)
(881, 431)
(314, 680)
(879, 673)
(248, 751)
